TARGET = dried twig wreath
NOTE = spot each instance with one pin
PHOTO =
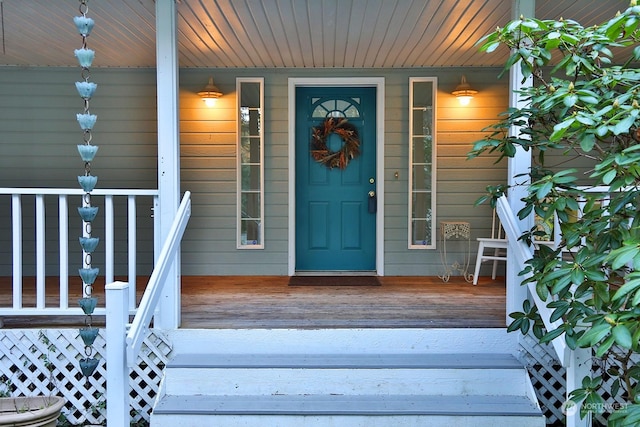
(349, 150)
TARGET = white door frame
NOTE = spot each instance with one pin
(378, 83)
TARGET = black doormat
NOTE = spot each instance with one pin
(334, 281)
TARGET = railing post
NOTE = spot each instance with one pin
(117, 316)
(579, 366)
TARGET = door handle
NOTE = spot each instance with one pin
(373, 202)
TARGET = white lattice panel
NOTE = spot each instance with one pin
(34, 367)
(547, 377)
(611, 403)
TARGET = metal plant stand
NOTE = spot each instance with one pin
(460, 231)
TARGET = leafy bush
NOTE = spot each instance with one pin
(583, 103)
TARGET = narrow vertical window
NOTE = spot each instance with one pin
(250, 167)
(422, 157)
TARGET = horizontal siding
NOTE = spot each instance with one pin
(126, 134)
(38, 138)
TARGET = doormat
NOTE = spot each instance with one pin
(334, 281)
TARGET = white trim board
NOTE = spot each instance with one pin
(379, 84)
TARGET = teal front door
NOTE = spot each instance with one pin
(335, 200)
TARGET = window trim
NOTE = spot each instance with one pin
(239, 164)
(434, 229)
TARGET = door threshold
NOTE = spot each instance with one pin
(336, 273)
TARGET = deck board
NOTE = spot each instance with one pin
(216, 302)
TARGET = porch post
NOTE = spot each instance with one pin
(168, 316)
(579, 366)
(117, 314)
(519, 164)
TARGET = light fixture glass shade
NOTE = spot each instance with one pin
(464, 92)
(210, 93)
(464, 99)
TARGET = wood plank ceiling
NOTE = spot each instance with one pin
(276, 33)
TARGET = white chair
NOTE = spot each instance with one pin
(497, 244)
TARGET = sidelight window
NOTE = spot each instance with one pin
(250, 163)
(422, 160)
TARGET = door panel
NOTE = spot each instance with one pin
(334, 229)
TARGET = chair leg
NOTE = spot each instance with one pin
(496, 252)
(478, 262)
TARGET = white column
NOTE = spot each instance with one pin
(168, 150)
(117, 315)
(519, 164)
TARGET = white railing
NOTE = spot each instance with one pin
(577, 363)
(42, 198)
(519, 253)
(125, 340)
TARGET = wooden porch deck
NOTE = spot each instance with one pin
(212, 302)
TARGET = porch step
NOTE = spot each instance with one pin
(337, 405)
(350, 374)
(409, 388)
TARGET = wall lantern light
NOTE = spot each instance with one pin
(463, 92)
(210, 93)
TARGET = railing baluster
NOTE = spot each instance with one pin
(40, 252)
(108, 239)
(63, 226)
(16, 220)
(132, 224)
(38, 230)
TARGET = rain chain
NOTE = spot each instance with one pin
(88, 213)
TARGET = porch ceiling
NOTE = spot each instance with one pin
(276, 33)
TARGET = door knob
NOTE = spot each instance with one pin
(372, 193)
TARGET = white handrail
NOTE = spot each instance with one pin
(520, 253)
(79, 191)
(140, 325)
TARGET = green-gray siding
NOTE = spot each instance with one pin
(38, 135)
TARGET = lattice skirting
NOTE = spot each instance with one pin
(548, 378)
(45, 362)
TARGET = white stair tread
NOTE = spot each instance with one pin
(347, 405)
(347, 361)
